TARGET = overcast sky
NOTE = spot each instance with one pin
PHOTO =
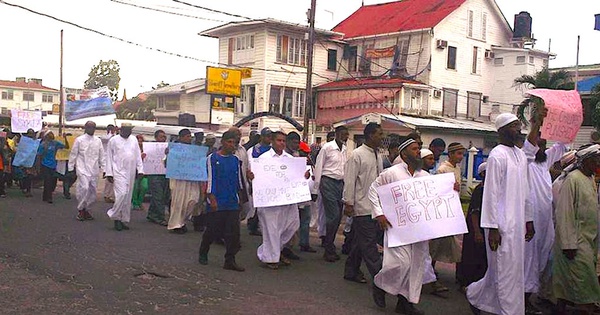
(30, 44)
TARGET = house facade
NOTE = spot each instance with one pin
(186, 100)
(27, 94)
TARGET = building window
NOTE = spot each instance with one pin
(7, 95)
(451, 58)
(470, 25)
(531, 59)
(244, 42)
(498, 61)
(331, 59)
(484, 26)
(476, 66)
(28, 97)
(291, 50)
(287, 101)
(352, 58)
(47, 98)
(450, 102)
(168, 102)
(473, 104)
(520, 59)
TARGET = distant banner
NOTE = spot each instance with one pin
(22, 120)
(88, 108)
(26, 152)
(565, 114)
(279, 182)
(63, 154)
(380, 52)
(155, 156)
(421, 209)
(187, 162)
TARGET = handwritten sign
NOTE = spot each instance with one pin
(422, 209)
(26, 152)
(187, 162)
(279, 181)
(63, 154)
(22, 120)
(565, 114)
(155, 155)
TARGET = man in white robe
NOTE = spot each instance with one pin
(87, 158)
(109, 192)
(538, 251)
(508, 222)
(402, 270)
(185, 194)
(123, 164)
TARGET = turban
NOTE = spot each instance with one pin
(504, 119)
(568, 158)
(588, 152)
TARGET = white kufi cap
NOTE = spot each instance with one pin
(505, 119)
(425, 152)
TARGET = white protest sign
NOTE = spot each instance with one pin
(155, 155)
(22, 120)
(421, 209)
(279, 181)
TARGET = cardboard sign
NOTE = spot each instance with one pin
(63, 154)
(22, 120)
(279, 181)
(187, 162)
(565, 114)
(155, 156)
(422, 209)
(26, 152)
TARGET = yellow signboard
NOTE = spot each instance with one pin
(223, 81)
(63, 154)
(246, 73)
(55, 109)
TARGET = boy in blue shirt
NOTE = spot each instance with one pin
(223, 214)
(47, 151)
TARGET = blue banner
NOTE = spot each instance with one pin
(26, 152)
(89, 108)
(187, 162)
(597, 26)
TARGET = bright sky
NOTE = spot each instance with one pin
(31, 43)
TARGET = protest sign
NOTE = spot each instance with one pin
(187, 162)
(421, 209)
(26, 152)
(565, 114)
(154, 160)
(22, 120)
(279, 181)
(63, 154)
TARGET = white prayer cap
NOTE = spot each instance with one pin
(482, 167)
(504, 119)
(588, 151)
(425, 152)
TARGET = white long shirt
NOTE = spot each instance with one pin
(123, 158)
(502, 289)
(330, 162)
(87, 156)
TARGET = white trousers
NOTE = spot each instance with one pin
(86, 191)
(278, 226)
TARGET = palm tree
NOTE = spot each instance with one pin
(595, 103)
(544, 79)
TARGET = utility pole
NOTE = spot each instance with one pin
(61, 106)
(577, 64)
(309, 69)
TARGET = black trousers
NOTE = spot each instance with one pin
(224, 224)
(49, 182)
(331, 192)
(2, 183)
(363, 247)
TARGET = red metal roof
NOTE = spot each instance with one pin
(365, 82)
(25, 85)
(396, 16)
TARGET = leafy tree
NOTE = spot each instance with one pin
(543, 79)
(595, 103)
(137, 108)
(105, 73)
(160, 85)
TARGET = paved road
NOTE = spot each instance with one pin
(52, 264)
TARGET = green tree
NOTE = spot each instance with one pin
(137, 108)
(160, 85)
(105, 73)
(595, 103)
(544, 79)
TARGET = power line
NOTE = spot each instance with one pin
(168, 12)
(213, 10)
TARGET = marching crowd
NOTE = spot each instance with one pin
(532, 221)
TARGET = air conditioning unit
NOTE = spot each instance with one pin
(489, 54)
(437, 93)
(442, 43)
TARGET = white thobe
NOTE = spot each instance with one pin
(185, 195)
(402, 268)
(278, 224)
(502, 289)
(86, 158)
(109, 191)
(123, 159)
(539, 249)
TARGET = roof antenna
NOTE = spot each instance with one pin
(362, 3)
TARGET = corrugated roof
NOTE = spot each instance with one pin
(226, 28)
(365, 82)
(25, 85)
(396, 16)
(179, 87)
(586, 86)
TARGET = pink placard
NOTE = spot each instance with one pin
(565, 114)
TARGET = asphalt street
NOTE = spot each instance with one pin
(51, 263)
